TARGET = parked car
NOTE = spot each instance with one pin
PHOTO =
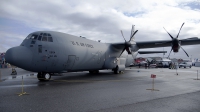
(162, 64)
(185, 64)
(152, 65)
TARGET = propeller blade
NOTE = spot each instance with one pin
(133, 34)
(132, 30)
(132, 55)
(128, 50)
(123, 35)
(180, 30)
(169, 53)
(121, 52)
(168, 33)
(184, 51)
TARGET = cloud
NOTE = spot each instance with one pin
(100, 20)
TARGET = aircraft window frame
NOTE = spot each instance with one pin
(40, 37)
(35, 38)
(43, 38)
(50, 39)
(28, 37)
(32, 36)
(45, 34)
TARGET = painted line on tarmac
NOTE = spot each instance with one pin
(72, 81)
(18, 86)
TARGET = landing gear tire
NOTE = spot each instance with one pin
(116, 70)
(44, 76)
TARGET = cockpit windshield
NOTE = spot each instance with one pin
(41, 37)
(33, 36)
(45, 37)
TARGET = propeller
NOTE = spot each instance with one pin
(127, 44)
(175, 42)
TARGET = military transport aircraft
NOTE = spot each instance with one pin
(48, 52)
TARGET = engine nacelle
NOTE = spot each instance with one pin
(175, 45)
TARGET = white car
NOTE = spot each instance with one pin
(185, 64)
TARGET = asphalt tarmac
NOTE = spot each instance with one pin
(103, 92)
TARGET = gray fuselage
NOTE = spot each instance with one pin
(59, 52)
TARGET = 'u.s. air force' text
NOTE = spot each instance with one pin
(82, 44)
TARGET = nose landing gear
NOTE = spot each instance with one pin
(43, 76)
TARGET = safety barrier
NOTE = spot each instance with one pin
(22, 93)
(197, 76)
(153, 76)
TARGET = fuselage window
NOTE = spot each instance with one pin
(40, 48)
(50, 39)
(44, 38)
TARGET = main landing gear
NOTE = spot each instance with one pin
(44, 76)
(116, 70)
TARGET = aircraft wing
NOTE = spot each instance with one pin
(167, 43)
(117, 45)
(150, 52)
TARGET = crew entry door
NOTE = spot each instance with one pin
(70, 62)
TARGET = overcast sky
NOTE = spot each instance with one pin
(102, 20)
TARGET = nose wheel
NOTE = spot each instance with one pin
(44, 76)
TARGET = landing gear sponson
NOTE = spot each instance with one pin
(117, 70)
(42, 76)
(94, 71)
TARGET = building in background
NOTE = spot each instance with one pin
(3, 63)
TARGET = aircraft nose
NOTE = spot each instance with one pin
(19, 56)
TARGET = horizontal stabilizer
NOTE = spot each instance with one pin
(151, 52)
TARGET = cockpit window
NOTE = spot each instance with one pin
(39, 38)
(33, 36)
(50, 39)
(28, 37)
(44, 34)
(45, 37)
